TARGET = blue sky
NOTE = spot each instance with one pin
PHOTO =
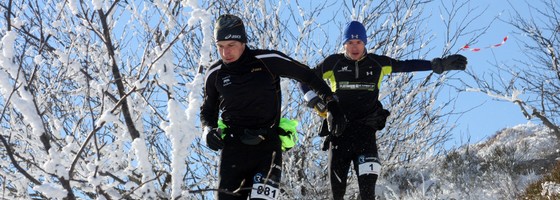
(489, 115)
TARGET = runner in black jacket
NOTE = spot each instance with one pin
(245, 86)
(355, 76)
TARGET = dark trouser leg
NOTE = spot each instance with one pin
(366, 164)
(367, 169)
(232, 177)
(367, 186)
(339, 165)
(266, 181)
(247, 166)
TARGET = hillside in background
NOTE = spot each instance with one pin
(501, 167)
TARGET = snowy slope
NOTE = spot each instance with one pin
(498, 168)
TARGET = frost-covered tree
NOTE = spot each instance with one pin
(533, 81)
(100, 99)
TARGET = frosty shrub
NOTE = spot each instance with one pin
(546, 188)
(501, 159)
(461, 167)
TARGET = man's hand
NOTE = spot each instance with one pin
(451, 62)
(213, 140)
(335, 116)
(313, 101)
(317, 104)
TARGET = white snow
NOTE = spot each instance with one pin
(97, 4)
(106, 117)
(52, 190)
(7, 44)
(73, 6)
(164, 67)
(23, 100)
(177, 131)
(146, 191)
(550, 188)
(54, 164)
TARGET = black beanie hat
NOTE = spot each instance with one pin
(229, 27)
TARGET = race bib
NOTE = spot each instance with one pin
(264, 191)
(369, 168)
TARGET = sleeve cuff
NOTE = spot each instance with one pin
(309, 95)
(205, 132)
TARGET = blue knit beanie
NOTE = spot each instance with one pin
(355, 30)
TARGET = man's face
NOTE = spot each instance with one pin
(230, 50)
(354, 49)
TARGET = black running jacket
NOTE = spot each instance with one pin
(356, 83)
(247, 91)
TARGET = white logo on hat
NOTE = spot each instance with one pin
(355, 36)
(230, 36)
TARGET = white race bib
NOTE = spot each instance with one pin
(264, 191)
(369, 168)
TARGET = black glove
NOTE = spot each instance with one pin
(451, 62)
(326, 143)
(336, 118)
(379, 119)
(214, 141)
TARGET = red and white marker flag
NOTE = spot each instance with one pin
(467, 47)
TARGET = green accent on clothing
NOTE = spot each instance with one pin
(329, 75)
(289, 140)
(385, 70)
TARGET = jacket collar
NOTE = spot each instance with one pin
(242, 59)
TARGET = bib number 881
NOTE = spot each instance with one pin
(264, 191)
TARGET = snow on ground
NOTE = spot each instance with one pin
(498, 168)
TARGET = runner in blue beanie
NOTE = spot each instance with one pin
(357, 76)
